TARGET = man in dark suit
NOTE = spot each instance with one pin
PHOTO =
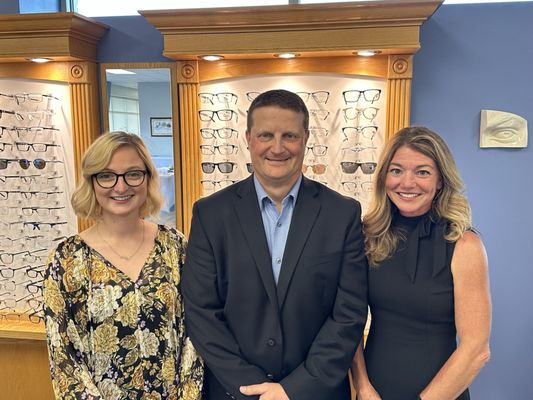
(275, 279)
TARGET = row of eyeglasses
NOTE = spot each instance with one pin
(319, 96)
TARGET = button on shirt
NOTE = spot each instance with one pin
(276, 224)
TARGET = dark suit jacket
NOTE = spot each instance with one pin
(302, 333)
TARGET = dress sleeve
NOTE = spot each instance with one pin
(67, 343)
(190, 364)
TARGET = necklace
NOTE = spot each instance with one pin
(125, 258)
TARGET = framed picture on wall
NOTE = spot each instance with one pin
(161, 126)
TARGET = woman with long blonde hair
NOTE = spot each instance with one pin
(428, 278)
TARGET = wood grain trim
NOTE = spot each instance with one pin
(189, 126)
(61, 36)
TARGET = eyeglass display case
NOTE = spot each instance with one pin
(338, 85)
(52, 117)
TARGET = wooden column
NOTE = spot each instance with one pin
(188, 84)
(85, 114)
(400, 75)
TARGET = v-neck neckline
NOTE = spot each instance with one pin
(109, 263)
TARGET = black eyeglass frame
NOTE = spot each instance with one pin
(94, 177)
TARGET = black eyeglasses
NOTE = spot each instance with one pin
(320, 96)
(224, 167)
(249, 167)
(223, 97)
(4, 144)
(225, 114)
(353, 96)
(38, 147)
(317, 149)
(108, 179)
(349, 167)
(42, 226)
(223, 133)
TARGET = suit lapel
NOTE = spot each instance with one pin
(303, 218)
(249, 216)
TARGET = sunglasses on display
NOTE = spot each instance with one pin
(38, 163)
(350, 167)
(224, 167)
(317, 169)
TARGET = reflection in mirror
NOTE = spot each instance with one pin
(140, 101)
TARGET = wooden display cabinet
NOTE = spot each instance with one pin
(69, 41)
(326, 38)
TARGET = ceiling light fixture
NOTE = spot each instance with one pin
(211, 57)
(286, 55)
(40, 60)
(367, 53)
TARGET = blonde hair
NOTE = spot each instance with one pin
(96, 158)
(449, 203)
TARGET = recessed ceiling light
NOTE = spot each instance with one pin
(40, 59)
(119, 71)
(286, 55)
(212, 57)
(367, 53)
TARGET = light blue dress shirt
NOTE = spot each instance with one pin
(276, 224)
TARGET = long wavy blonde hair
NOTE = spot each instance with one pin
(449, 203)
(96, 158)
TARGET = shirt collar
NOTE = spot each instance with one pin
(262, 194)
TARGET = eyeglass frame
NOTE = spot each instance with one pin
(94, 177)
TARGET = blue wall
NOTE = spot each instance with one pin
(473, 57)
(477, 57)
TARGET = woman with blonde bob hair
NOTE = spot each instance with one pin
(112, 299)
(428, 278)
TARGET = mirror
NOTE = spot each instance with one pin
(138, 98)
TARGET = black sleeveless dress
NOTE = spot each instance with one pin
(411, 301)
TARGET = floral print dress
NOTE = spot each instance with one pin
(110, 338)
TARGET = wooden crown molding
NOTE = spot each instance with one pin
(310, 29)
(62, 36)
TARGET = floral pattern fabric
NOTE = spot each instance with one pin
(110, 338)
